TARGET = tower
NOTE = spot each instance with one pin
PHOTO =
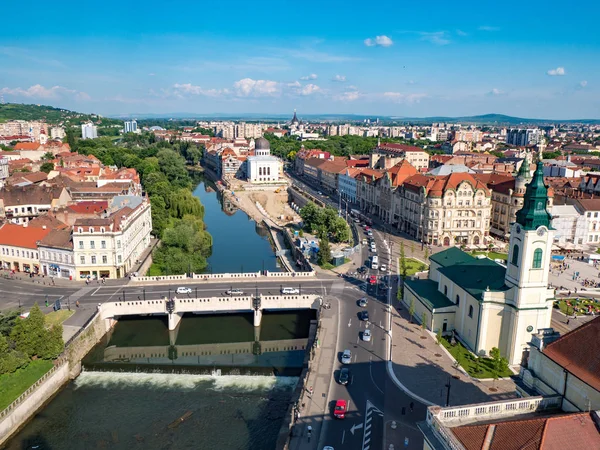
(531, 236)
(523, 176)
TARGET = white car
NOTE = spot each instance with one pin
(184, 290)
(366, 336)
(346, 357)
(235, 292)
(288, 290)
(383, 268)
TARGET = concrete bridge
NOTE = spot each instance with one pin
(131, 354)
(175, 307)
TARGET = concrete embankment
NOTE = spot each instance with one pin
(67, 367)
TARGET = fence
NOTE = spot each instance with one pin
(227, 276)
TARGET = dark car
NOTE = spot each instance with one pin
(363, 315)
(345, 376)
(361, 269)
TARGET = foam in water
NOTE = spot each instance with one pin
(182, 382)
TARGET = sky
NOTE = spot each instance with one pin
(391, 58)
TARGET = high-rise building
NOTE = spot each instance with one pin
(130, 126)
(57, 132)
(89, 131)
(523, 137)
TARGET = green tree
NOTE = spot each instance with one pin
(403, 266)
(47, 167)
(7, 321)
(29, 334)
(499, 363)
(324, 254)
(424, 321)
(426, 253)
(411, 309)
(47, 156)
(340, 230)
(10, 359)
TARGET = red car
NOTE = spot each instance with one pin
(372, 279)
(367, 228)
(340, 409)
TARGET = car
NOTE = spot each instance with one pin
(372, 279)
(320, 193)
(363, 302)
(346, 357)
(288, 290)
(367, 227)
(364, 242)
(364, 315)
(383, 268)
(184, 290)
(366, 335)
(345, 376)
(361, 269)
(339, 412)
(235, 292)
(369, 233)
(328, 447)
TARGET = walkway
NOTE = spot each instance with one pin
(423, 368)
(320, 378)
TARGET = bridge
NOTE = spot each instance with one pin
(175, 307)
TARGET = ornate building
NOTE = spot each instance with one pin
(264, 168)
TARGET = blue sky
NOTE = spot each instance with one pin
(527, 59)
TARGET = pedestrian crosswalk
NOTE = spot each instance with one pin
(373, 420)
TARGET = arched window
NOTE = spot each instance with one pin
(457, 299)
(446, 291)
(537, 258)
(515, 255)
(471, 311)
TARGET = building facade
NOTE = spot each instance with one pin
(89, 131)
(264, 168)
(18, 247)
(56, 254)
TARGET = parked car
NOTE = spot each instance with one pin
(235, 292)
(363, 302)
(345, 376)
(372, 279)
(362, 269)
(339, 411)
(288, 290)
(363, 315)
(184, 290)
(369, 233)
(366, 335)
(383, 268)
(346, 357)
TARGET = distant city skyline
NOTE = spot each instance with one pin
(397, 60)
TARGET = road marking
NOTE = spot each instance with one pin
(372, 379)
(97, 289)
(370, 409)
(343, 436)
(350, 322)
(355, 427)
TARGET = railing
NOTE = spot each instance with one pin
(226, 276)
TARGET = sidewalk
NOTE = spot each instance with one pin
(315, 410)
(82, 314)
(423, 368)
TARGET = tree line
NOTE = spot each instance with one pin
(177, 216)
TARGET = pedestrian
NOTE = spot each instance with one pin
(568, 320)
(412, 405)
(77, 303)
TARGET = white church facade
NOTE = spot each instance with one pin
(486, 304)
(262, 167)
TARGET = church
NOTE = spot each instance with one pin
(484, 303)
(262, 167)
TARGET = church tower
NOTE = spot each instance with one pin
(523, 176)
(530, 245)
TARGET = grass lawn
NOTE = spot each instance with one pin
(578, 307)
(12, 385)
(413, 266)
(327, 266)
(493, 255)
(58, 317)
(476, 367)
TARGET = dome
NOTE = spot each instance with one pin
(262, 144)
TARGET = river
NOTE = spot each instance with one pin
(239, 243)
(128, 397)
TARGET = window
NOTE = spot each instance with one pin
(446, 291)
(515, 255)
(471, 311)
(102, 230)
(103, 244)
(104, 259)
(92, 244)
(457, 299)
(80, 245)
(118, 244)
(119, 259)
(91, 230)
(80, 230)
(537, 258)
(82, 259)
(93, 260)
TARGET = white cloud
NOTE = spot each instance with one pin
(310, 89)
(461, 33)
(381, 41)
(436, 37)
(339, 78)
(41, 92)
(295, 84)
(312, 76)
(559, 71)
(583, 83)
(248, 87)
(488, 28)
(349, 96)
(190, 89)
(398, 97)
(496, 91)
(150, 74)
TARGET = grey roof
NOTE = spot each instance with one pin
(262, 144)
(447, 169)
(120, 201)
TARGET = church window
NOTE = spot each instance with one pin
(446, 291)
(457, 299)
(515, 255)
(471, 311)
(537, 258)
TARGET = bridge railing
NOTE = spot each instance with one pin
(226, 276)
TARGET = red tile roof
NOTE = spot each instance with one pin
(578, 352)
(401, 172)
(20, 236)
(400, 148)
(28, 146)
(89, 207)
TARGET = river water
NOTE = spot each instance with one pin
(128, 396)
(239, 243)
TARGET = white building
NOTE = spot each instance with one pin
(56, 254)
(89, 131)
(347, 183)
(263, 167)
(130, 126)
(3, 171)
(571, 225)
(57, 133)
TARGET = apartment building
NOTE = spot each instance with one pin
(18, 247)
(24, 128)
(366, 190)
(89, 131)
(21, 204)
(108, 246)
(56, 254)
(387, 155)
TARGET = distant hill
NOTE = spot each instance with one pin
(496, 119)
(49, 114)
